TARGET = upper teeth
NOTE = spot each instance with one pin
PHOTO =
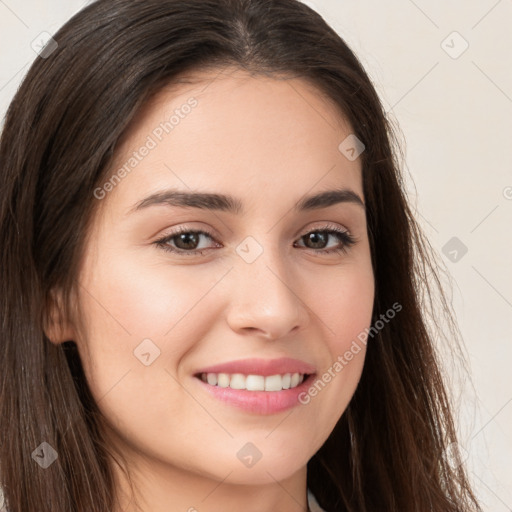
(253, 382)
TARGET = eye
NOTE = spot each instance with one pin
(185, 241)
(320, 236)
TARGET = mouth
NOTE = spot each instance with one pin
(240, 381)
(256, 394)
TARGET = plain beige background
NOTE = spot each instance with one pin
(444, 73)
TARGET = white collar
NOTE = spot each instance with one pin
(313, 504)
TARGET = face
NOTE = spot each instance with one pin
(171, 289)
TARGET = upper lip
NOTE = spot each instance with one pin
(264, 367)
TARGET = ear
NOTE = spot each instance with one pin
(57, 328)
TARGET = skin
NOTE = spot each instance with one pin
(267, 141)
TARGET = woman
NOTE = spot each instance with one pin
(212, 283)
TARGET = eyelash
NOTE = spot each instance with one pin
(347, 239)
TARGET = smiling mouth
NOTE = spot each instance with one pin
(240, 381)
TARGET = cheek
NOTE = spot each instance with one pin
(129, 305)
(351, 313)
(345, 304)
(126, 303)
(133, 300)
(345, 308)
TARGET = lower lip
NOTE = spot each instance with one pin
(259, 402)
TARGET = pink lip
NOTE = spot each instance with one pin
(259, 402)
(264, 367)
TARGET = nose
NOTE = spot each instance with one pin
(265, 298)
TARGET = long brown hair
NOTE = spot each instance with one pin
(388, 452)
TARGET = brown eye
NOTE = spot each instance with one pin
(318, 239)
(184, 241)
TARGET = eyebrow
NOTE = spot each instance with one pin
(227, 203)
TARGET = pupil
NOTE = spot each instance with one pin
(190, 240)
(314, 237)
(186, 237)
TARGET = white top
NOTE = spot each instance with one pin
(312, 503)
(2, 501)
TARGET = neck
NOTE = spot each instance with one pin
(159, 487)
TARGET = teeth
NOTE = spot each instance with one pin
(237, 381)
(253, 382)
(222, 380)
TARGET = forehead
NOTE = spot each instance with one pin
(226, 129)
